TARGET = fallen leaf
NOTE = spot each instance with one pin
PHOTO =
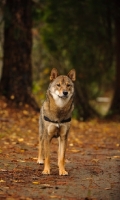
(71, 145)
(107, 188)
(67, 161)
(20, 139)
(108, 157)
(95, 160)
(25, 112)
(21, 161)
(75, 150)
(2, 181)
(35, 182)
(114, 157)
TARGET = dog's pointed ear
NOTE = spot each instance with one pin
(72, 75)
(54, 74)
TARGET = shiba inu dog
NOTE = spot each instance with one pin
(55, 117)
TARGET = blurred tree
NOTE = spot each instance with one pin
(16, 82)
(115, 107)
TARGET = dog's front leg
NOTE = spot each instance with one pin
(61, 154)
(40, 154)
(47, 156)
(41, 142)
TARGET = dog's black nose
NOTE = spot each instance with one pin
(65, 93)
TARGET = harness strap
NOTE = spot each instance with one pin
(56, 122)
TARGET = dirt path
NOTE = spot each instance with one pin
(92, 160)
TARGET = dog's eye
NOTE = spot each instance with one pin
(68, 85)
(58, 85)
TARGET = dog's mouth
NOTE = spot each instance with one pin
(63, 96)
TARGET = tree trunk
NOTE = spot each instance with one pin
(16, 82)
(115, 107)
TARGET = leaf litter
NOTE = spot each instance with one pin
(92, 159)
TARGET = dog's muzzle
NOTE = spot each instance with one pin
(64, 95)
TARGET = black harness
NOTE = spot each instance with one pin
(56, 122)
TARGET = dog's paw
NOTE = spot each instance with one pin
(41, 162)
(63, 172)
(46, 171)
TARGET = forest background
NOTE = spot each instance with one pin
(36, 36)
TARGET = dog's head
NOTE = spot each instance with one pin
(62, 86)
